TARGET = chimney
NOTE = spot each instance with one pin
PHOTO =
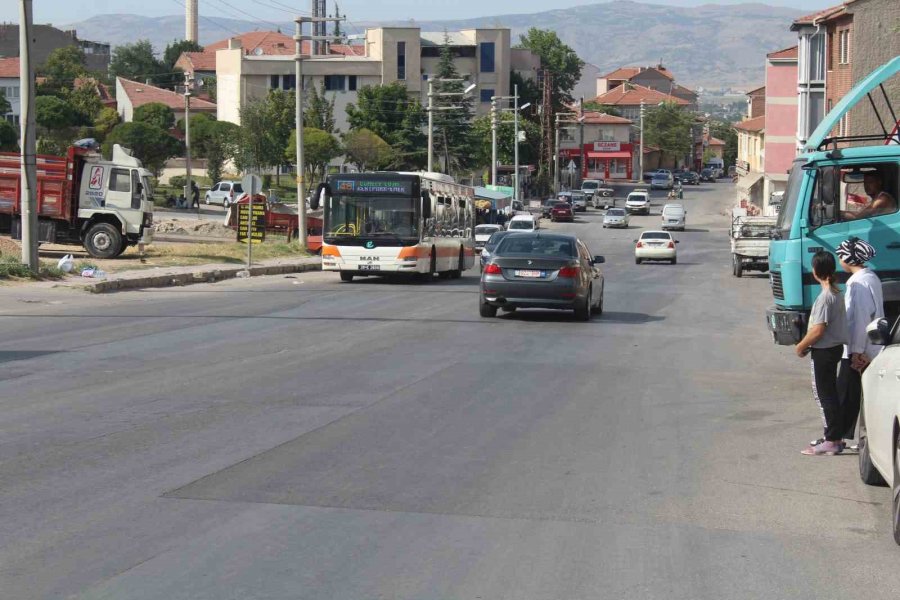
(234, 43)
(190, 21)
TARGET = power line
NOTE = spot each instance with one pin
(251, 15)
(215, 24)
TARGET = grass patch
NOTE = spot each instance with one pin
(12, 268)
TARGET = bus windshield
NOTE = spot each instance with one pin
(371, 217)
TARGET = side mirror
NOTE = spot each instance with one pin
(677, 242)
(426, 206)
(879, 332)
(635, 241)
(599, 260)
(316, 199)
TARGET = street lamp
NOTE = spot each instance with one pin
(494, 117)
(431, 108)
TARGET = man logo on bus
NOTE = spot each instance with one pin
(96, 178)
(370, 244)
(345, 186)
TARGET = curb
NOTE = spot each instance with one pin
(206, 276)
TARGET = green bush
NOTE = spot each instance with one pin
(178, 181)
(10, 266)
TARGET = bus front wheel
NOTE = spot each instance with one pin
(348, 277)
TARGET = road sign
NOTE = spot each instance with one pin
(571, 167)
(255, 228)
(252, 184)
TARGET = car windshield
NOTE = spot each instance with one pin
(371, 216)
(522, 224)
(637, 198)
(238, 188)
(486, 229)
(536, 246)
(590, 185)
(656, 235)
(615, 212)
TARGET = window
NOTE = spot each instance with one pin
(273, 82)
(334, 83)
(844, 47)
(120, 180)
(844, 125)
(401, 61)
(487, 57)
(226, 187)
(288, 82)
(486, 94)
(817, 57)
(351, 83)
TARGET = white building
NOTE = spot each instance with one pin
(9, 87)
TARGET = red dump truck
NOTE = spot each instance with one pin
(103, 205)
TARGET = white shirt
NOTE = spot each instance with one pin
(865, 303)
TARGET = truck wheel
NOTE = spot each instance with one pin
(738, 267)
(103, 241)
(122, 247)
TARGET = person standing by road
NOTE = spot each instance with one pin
(825, 339)
(864, 300)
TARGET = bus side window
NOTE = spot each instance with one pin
(825, 205)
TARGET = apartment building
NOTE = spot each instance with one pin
(46, 39)
(9, 87)
(751, 150)
(656, 78)
(781, 120)
(608, 150)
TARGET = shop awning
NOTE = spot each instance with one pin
(747, 182)
(619, 154)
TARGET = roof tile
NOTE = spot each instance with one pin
(752, 125)
(787, 53)
(141, 94)
(633, 95)
(9, 67)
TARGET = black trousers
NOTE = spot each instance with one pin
(850, 391)
(825, 368)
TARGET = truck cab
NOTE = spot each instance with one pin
(830, 197)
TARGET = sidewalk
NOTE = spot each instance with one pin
(178, 276)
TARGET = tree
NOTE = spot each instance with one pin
(668, 126)
(174, 50)
(156, 114)
(258, 145)
(84, 100)
(453, 127)
(337, 24)
(63, 66)
(529, 150)
(602, 108)
(55, 113)
(319, 148)
(9, 138)
(410, 141)
(137, 62)
(152, 145)
(559, 59)
(5, 106)
(282, 117)
(366, 149)
(219, 145)
(726, 133)
(319, 111)
(105, 122)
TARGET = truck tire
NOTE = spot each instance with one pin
(122, 247)
(738, 266)
(103, 241)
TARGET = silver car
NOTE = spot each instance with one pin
(616, 217)
(540, 270)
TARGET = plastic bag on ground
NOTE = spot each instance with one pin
(66, 264)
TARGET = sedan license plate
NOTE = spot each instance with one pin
(369, 267)
(529, 273)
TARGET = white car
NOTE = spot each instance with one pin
(589, 186)
(483, 234)
(522, 223)
(616, 217)
(224, 193)
(674, 216)
(879, 417)
(662, 180)
(638, 202)
(655, 245)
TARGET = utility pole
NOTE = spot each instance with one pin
(188, 184)
(299, 38)
(431, 108)
(640, 176)
(556, 157)
(583, 164)
(29, 159)
(494, 115)
(516, 137)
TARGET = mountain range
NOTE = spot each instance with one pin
(712, 45)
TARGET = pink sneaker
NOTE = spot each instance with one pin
(825, 448)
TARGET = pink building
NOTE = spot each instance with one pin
(781, 120)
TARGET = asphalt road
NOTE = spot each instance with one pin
(296, 437)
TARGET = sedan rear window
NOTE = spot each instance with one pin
(521, 224)
(537, 246)
(486, 228)
(656, 235)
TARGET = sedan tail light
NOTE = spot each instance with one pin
(671, 244)
(569, 271)
(492, 269)
(640, 244)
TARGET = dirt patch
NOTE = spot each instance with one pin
(10, 247)
(193, 227)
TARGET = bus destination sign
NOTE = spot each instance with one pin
(384, 186)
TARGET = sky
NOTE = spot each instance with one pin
(61, 12)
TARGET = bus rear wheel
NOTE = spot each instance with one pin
(348, 277)
(460, 266)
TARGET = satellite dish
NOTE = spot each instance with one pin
(258, 51)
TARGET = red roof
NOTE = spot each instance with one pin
(266, 43)
(271, 42)
(599, 118)
(683, 89)
(106, 98)
(141, 94)
(755, 124)
(818, 17)
(9, 67)
(197, 61)
(625, 73)
(761, 88)
(632, 95)
(787, 53)
(715, 141)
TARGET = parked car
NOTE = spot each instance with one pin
(674, 216)
(662, 181)
(491, 244)
(224, 193)
(549, 203)
(576, 198)
(678, 173)
(655, 245)
(879, 417)
(542, 270)
(690, 178)
(648, 175)
(522, 223)
(616, 217)
(638, 202)
(707, 175)
(561, 211)
(483, 232)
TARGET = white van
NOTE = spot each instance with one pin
(522, 223)
(674, 216)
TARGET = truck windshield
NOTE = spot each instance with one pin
(365, 217)
(791, 197)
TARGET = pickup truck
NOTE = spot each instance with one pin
(103, 205)
(750, 237)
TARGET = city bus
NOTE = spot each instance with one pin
(387, 223)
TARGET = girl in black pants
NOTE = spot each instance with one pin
(825, 338)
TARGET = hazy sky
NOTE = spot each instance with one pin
(61, 12)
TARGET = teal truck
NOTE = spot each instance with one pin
(827, 200)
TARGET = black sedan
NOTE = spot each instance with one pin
(541, 270)
(690, 178)
(707, 175)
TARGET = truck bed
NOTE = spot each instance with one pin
(54, 189)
